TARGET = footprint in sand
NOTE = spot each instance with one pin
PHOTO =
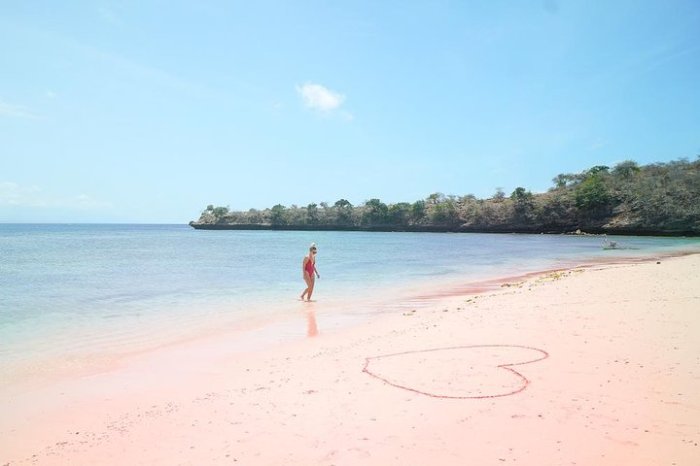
(459, 372)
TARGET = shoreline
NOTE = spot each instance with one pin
(572, 230)
(254, 333)
(114, 411)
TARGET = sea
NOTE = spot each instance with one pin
(73, 293)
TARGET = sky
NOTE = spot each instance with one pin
(148, 111)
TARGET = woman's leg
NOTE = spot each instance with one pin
(309, 285)
(311, 288)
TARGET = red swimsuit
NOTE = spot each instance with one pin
(310, 267)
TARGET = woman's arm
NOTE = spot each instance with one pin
(316, 270)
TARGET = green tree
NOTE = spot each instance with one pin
(219, 212)
(563, 180)
(343, 209)
(277, 215)
(523, 203)
(399, 214)
(592, 194)
(418, 211)
(499, 195)
(254, 216)
(435, 198)
(312, 213)
(375, 212)
(445, 213)
(597, 169)
(626, 170)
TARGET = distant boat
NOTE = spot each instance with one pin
(607, 244)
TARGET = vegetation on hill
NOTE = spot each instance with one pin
(627, 198)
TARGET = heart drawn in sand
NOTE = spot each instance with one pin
(460, 372)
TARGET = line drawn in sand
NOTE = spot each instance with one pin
(479, 373)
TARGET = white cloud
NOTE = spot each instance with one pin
(15, 111)
(318, 97)
(16, 195)
(86, 201)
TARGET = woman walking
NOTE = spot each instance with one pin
(308, 270)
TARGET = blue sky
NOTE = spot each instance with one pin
(147, 111)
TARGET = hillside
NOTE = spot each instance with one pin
(659, 198)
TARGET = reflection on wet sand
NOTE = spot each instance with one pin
(311, 326)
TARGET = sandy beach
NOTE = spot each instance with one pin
(597, 365)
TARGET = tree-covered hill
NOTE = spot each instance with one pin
(660, 198)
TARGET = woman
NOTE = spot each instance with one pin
(308, 269)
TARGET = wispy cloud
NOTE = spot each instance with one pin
(663, 54)
(119, 65)
(86, 201)
(276, 107)
(17, 195)
(598, 144)
(15, 111)
(642, 61)
(318, 97)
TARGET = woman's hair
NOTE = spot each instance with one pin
(313, 246)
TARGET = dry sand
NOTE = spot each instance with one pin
(591, 366)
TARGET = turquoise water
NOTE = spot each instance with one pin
(83, 287)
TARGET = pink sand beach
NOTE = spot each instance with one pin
(596, 365)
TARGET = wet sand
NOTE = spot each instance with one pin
(596, 365)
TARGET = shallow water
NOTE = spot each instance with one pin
(87, 289)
